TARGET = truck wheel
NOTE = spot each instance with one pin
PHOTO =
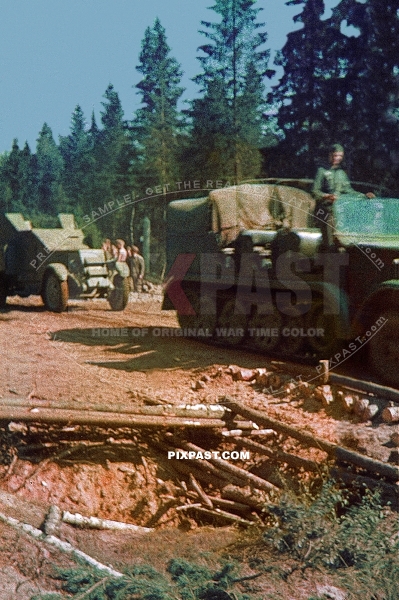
(233, 322)
(384, 349)
(55, 293)
(291, 340)
(118, 297)
(321, 328)
(265, 330)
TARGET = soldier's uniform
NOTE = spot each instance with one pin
(331, 180)
(137, 268)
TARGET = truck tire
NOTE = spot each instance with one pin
(384, 349)
(323, 342)
(265, 330)
(119, 296)
(233, 322)
(55, 293)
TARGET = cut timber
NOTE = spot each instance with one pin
(217, 512)
(235, 494)
(279, 455)
(368, 387)
(198, 489)
(341, 454)
(96, 523)
(102, 418)
(391, 414)
(224, 465)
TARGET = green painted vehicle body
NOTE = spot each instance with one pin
(256, 261)
(29, 257)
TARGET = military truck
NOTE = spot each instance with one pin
(247, 265)
(56, 264)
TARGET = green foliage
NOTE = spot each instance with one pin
(362, 541)
(183, 581)
(341, 85)
(228, 121)
(49, 165)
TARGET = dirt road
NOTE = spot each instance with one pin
(91, 357)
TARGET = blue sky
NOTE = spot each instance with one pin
(55, 54)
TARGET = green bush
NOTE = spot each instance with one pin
(183, 581)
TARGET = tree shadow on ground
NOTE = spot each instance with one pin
(149, 348)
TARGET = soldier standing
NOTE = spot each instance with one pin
(137, 269)
(329, 184)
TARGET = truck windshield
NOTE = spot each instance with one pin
(365, 218)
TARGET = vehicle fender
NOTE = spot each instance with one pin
(385, 297)
(122, 269)
(59, 270)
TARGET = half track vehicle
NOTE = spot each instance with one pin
(247, 265)
(56, 264)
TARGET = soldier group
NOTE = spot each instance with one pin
(129, 254)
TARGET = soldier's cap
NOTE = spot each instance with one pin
(336, 148)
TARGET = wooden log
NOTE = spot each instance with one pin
(203, 411)
(279, 455)
(234, 493)
(97, 523)
(224, 465)
(200, 474)
(209, 466)
(102, 418)
(395, 438)
(365, 386)
(231, 505)
(217, 512)
(390, 414)
(263, 433)
(341, 454)
(198, 489)
(201, 469)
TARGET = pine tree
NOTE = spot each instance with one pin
(113, 148)
(49, 165)
(156, 129)
(78, 173)
(18, 178)
(228, 122)
(341, 87)
(28, 196)
(372, 91)
(157, 124)
(309, 61)
(12, 175)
